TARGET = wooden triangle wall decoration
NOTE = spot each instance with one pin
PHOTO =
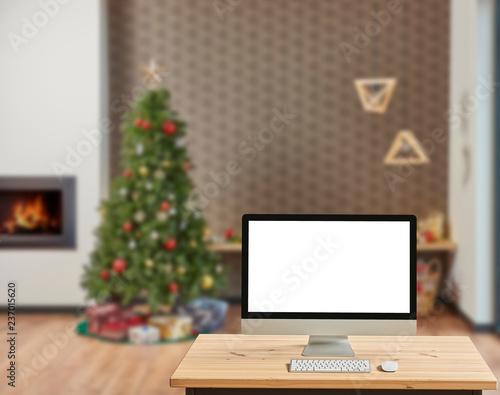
(406, 142)
(375, 93)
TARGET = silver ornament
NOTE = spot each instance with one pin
(132, 244)
(154, 235)
(139, 149)
(148, 186)
(172, 211)
(123, 192)
(183, 225)
(218, 268)
(180, 142)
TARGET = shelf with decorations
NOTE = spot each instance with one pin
(442, 245)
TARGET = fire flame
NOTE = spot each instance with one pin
(28, 215)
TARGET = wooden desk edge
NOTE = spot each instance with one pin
(290, 383)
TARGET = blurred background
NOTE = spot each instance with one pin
(386, 107)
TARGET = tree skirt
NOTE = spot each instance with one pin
(81, 329)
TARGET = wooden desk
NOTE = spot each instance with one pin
(242, 364)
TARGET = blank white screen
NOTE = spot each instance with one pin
(329, 266)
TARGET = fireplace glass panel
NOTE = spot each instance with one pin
(29, 212)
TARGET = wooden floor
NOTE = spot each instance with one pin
(52, 359)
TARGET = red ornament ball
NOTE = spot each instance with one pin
(165, 206)
(429, 236)
(169, 127)
(186, 166)
(229, 233)
(170, 244)
(104, 274)
(146, 125)
(127, 226)
(119, 265)
(138, 122)
(173, 287)
(127, 174)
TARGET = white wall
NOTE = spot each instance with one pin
(471, 155)
(51, 92)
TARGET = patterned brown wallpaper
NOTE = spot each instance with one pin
(232, 66)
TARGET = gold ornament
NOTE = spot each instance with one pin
(169, 267)
(207, 233)
(161, 216)
(207, 282)
(135, 196)
(159, 174)
(165, 164)
(181, 270)
(149, 263)
(193, 244)
(143, 171)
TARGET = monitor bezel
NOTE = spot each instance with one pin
(412, 315)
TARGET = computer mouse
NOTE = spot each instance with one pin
(389, 366)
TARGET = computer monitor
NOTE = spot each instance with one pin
(329, 276)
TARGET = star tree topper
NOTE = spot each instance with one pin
(152, 73)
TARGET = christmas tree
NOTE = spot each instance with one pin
(151, 237)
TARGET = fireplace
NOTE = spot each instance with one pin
(37, 212)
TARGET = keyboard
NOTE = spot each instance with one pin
(330, 365)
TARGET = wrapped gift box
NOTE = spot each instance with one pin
(144, 334)
(110, 313)
(172, 326)
(114, 330)
(208, 315)
(97, 316)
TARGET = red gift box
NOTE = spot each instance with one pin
(118, 330)
(114, 330)
(98, 316)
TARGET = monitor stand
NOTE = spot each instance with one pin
(328, 346)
